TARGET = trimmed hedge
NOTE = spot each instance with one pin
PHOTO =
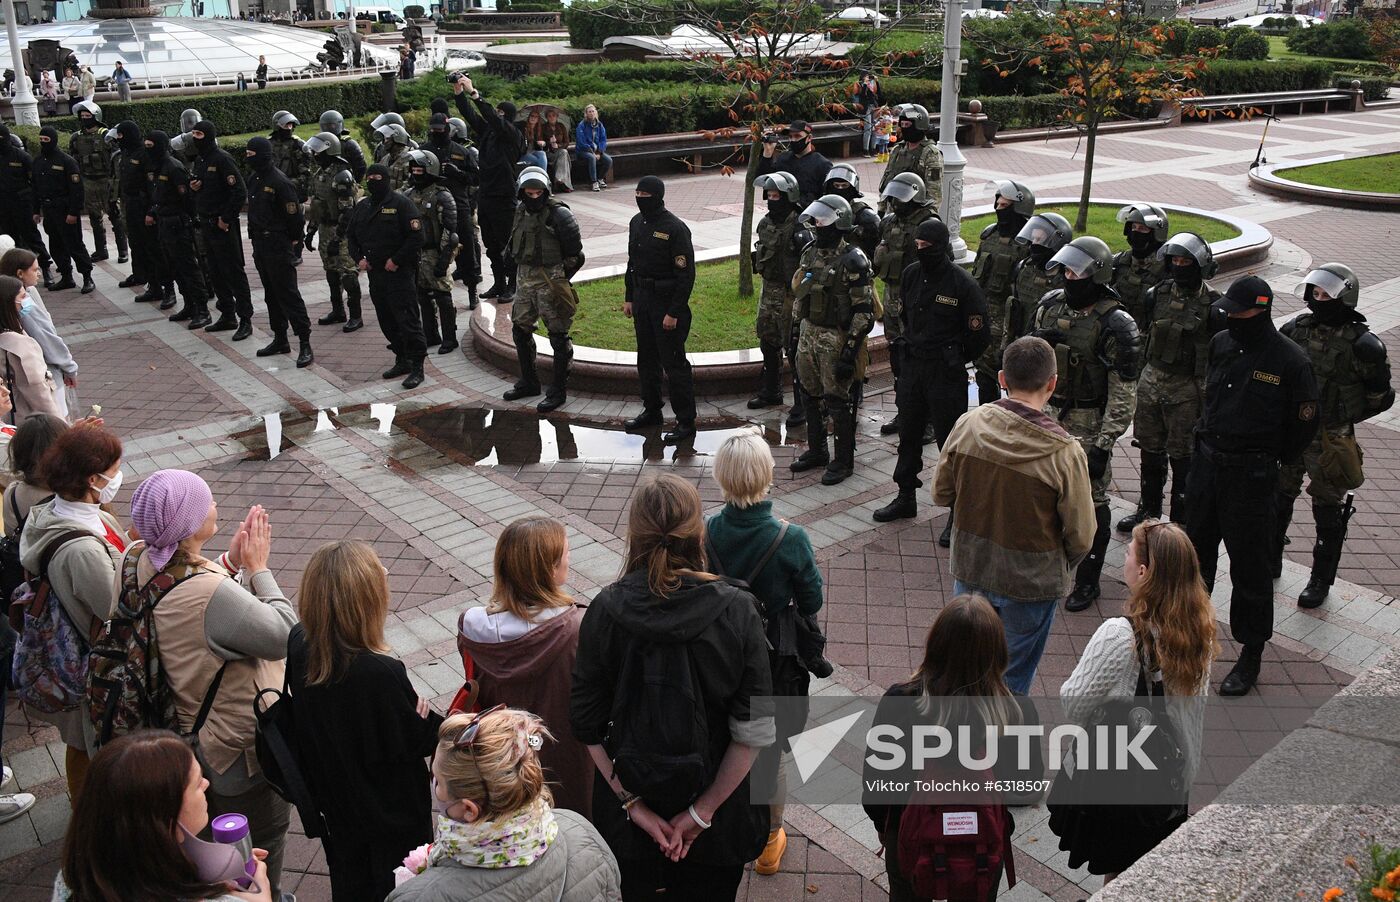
(1035, 111)
(1346, 39)
(1371, 88)
(1250, 77)
(1244, 43)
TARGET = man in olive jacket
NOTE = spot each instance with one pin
(1023, 515)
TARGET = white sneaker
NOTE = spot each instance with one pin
(602, 183)
(13, 806)
(597, 187)
(8, 776)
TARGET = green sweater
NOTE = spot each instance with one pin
(740, 536)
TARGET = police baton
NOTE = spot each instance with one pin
(1348, 508)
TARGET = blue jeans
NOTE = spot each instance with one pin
(536, 158)
(1027, 627)
(592, 162)
(867, 136)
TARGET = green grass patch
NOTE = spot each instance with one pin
(720, 319)
(1278, 50)
(1103, 223)
(1379, 173)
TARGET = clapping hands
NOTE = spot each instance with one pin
(252, 542)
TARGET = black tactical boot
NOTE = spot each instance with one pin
(528, 385)
(447, 312)
(644, 420)
(245, 330)
(843, 460)
(1086, 578)
(337, 314)
(400, 368)
(152, 293)
(200, 319)
(186, 312)
(928, 438)
(1181, 470)
(1284, 505)
(770, 391)
(415, 374)
(123, 252)
(904, 507)
(226, 322)
(1154, 477)
(1327, 554)
(278, 346)
(816, 454)
(891, 426)
(498, 284)
(352, 302)
(508, 293)
(472, 302)
(563, 357)
(47, 270)
(304, 355)
(65, 282)
(88, 285)
(1244, 674)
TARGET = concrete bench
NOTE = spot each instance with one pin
(1273, 102)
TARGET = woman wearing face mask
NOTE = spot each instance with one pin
(83, 470)
(32, 387)
(495, 829)
(212, 628)
(133, 834)
(37, 324)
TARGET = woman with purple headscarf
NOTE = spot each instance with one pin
(217, 639)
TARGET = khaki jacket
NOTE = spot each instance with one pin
(27, 375)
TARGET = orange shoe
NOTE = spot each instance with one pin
(772, 857)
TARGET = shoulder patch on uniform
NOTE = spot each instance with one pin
(390, 210)
(232, 180)
(269, 189)
(415, 224)
(162, 178)
(664, 236)
(291, 208)
(681, 261)
(974, 322)
(1307, 411)
(944, 299)
(1268, 377)
(75, 177)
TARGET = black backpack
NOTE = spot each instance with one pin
(11, 570)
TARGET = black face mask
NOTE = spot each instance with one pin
(438, 138)
(780, 209)
(1188, 276)
(378, 188)
(911, 135)
(827, 236)
(797, 145)
(1040, 255)
(1140, 242)
(849, 192)
(1009, 222)
(902, 207)
(1249, 330)
(1329, 313)
(87, 122)
(422, 179)
(324, 158)
(1080, 292)
(933, 259)
(650, 206)
(534, 204)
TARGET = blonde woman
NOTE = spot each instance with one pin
(1169, 634)
(520, 647)
(495, 830)
(362, 733)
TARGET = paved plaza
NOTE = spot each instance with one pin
(430, 477)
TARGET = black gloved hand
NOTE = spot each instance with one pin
(311, 237)
(845, 366)
(334, 247)
(1098, 462)
(440, 267)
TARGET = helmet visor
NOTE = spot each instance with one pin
(900, 191)
(1331, 283)
(1038, 230)
(316, 144)
(818, 214)
(1074, 260)
(842, 173)
(1143, 214)
(1006, 189)
(1185, 244)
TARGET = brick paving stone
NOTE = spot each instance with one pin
(119, 373)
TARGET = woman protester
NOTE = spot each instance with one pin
(26, 373)
(520, 648)
(38, 324)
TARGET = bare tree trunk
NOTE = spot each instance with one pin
(746, 221)
(1081, 219)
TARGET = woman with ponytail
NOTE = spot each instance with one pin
(672, 666)
(496, 834)
(1168, 636)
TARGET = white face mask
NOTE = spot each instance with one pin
(109, 491)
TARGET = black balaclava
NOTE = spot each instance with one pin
(910, 133)
(1009, 222)
(1141, 243)
(656, 204)
(378, 188)
(260, 154)
(849, 192)
(50, 147)
(86, 120)
(1080, 293)
(206, 144)
(1330, 313)
(507, 110)
(780, 209)
(1187, 276)
(1040, 254)
(129, 136)
(827, 236)
(532, 204)
(937, 257)
(422, 179)
(1250, 330)
(903, 208)
(438, 130)
(281, 133)
(439, 105)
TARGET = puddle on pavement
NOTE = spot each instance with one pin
(484, 436)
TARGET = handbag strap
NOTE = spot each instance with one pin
(717, 567)
(207, 705)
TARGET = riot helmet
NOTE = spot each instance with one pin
(829, 210)
(1045, 234)
(188, 118)
(906, 188)
(1087, 257)
(333, 122)
(1189, 244)
(782, 182)
(282, 119)
(324, 142)
(1022, 198)
(843, 172)
(1337, 280)
(92, 109)
(1150, 215)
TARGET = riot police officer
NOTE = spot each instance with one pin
(289, 151)
(172, 209)
(548, 249)
(89, 147)
(147, 262)
(1353, 380)
(457, 167)
(439, 211)
(329, 213)
(17, 184)
(376, 136)
(660, 276)
(1260, 410)
(219, 196)
(469, 256)
(845, 181)
(182, 145)
(916, 152)
(1098, 353)
(775, 256)
(997, 256)
(906, 198)
(944, 328)
(396, 147)
(834, 310)
(58, 202)
(276, 226)
(385, 238)
(1140, 267)
(331, 121)
(1180, 326)
(1043, 235)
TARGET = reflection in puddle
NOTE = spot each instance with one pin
(272, 425)
(323, 420)
(384, 413)
(487, 437)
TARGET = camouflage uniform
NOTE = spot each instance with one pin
(399, 175)
(1030, 283)
(1132, 277)
(997, 257)
(439, 210)
(775, 258)
(329, 212)
(894, 253)
(924, 160)
(94, 158)
(866, 234)
(548, 249)
(289, 156)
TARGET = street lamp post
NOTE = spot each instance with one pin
(953, 160)
(25, 107)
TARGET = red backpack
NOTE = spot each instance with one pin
(954, 851)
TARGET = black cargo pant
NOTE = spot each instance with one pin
(1232, 497)
(177, 243)
(661, 350)
(65, 239)
(395, 299)
(226, 269)
(496, 216)
(928, 390)
(18, 223)
(276, 264)
(145, 267)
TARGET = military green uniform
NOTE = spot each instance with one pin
(399, 166)
(997, 256)
(775, 259)
(290, 157)
(1030, 283)
(896, 251)
(866, 234)
(330, 212)
(94, 158)
(924, 160)
(1132, 277)
(541, 258)
(434, 201)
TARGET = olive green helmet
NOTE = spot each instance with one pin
(393, 134)
(781, 182)
(1150, 215)
(1086, 256)
(1022, 198)
(1189, 244)
(331, 121)
(1049, 230)
(907, 187)
(384, 119)
(428, 162)
(1337, 280)
(829, 210)
(917, 115)
(842, 172)
(324, 142)
(282, 119)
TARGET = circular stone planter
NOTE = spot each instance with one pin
(732, 372)
(1264, 177)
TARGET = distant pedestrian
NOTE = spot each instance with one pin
(122, 79)
(88, 82)
(260, 74)
(591, 143)
(242, 83)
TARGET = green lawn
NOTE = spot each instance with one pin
(1103, 223)
(1278, 50)
(1380, 173)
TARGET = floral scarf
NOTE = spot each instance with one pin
(518, 841)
